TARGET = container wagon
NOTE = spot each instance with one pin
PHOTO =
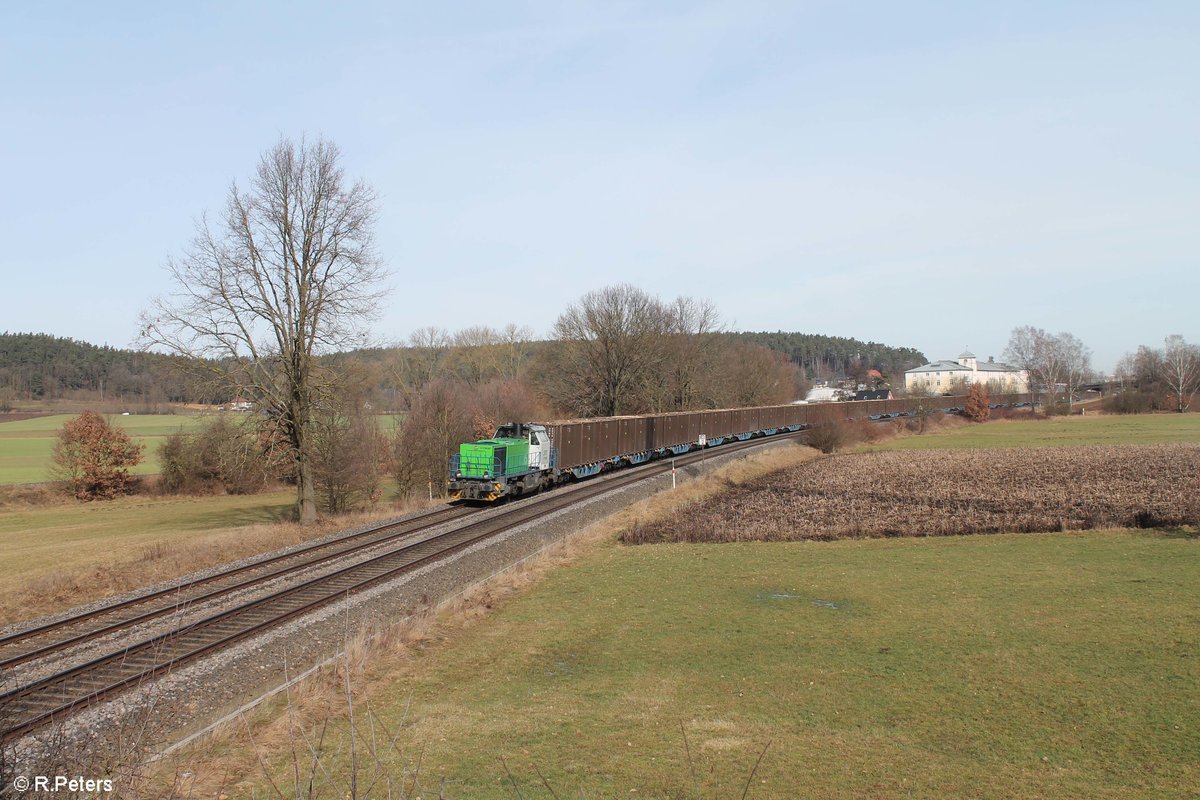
(523, 458)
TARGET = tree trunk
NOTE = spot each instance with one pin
(306, 496)
(306, 500)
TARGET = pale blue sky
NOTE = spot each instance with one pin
(923, 174)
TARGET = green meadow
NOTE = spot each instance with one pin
(26, 445)
(1056, 432)
(62, 537)
(1003, 666)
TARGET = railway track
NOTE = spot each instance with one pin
(29, 644)
(57, 696)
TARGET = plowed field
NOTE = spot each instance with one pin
(948, 492)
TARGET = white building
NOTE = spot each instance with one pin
(824, 394)
(943, 376)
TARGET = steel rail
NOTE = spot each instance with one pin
(61, 694)
(343, 546)
(17, 636)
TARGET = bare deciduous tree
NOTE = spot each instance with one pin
(514, 349)
(752, 375)
(476, 351)
(287, 272)
(1024, 351)
(1050, 360)
(421, 361)
(348, 456)
(694, 325)
(613, 342)
(1179, 366)
(924, 406)
(437, 422)
(1074, 360)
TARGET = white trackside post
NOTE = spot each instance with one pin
(672, 473)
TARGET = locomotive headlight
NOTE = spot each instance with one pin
(458, 473)
(485, 474)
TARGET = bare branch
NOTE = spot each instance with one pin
(290, 273)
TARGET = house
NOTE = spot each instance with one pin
(873, 394)
(946, 376)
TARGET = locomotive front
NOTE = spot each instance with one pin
(516, 460)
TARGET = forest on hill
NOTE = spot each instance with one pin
(824, 357)
(42, 367)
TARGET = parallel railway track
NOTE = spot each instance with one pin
(57, 696)
(29, 644)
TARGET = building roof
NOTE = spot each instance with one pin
(954, 366)
(966, 354)
(940, 366)
(822, 393)
(873, 394)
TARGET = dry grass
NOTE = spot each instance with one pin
(949, 492)
(694, 493)
(834, 434)
(23, 497)
(163, 559)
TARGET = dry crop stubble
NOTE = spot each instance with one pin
(950, 492)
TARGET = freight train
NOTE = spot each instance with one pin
(524, 458)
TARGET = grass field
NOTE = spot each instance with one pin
(1056, 432)
(65, 554)
(26, 445)
(1009, 666)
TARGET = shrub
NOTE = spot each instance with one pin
(864, 430)
(828, 437)
(830, 431)
(437, 422)
(923, 419)
(1015, 413)
(348, 453)
(223, 456)
(1131, 402)
(976, 407)
(1057, 409)
(94, 457)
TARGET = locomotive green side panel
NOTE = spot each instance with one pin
(476, 458)
(513, 455)
(496, 457)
